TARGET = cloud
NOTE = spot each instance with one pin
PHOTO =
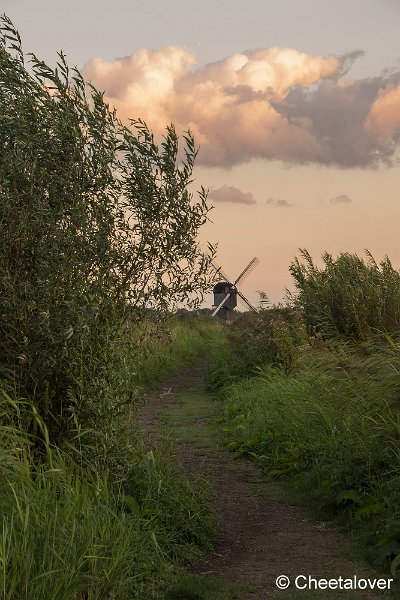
(280, 203)
(343, 199)
(271, 103)
(228, 193)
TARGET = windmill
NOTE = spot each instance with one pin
(225, 292)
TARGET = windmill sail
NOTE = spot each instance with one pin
(252, 265)
(220, 305)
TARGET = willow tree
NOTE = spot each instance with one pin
(95, 217)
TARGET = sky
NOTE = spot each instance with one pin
(295, 106)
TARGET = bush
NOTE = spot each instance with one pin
(271, 336)
(98, 238)
(149, 352)
(94, 216)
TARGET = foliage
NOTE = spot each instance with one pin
(180, 342)
(270, 336)
(98, 239)
(348, 296)
(143, 356)
(273, 336)
(94, 216)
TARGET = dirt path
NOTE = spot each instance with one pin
(258, 539)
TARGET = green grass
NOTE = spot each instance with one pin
(348, 296)
(198, 587)
(68, 533)
(329, 432)
(98, 518)
(161, 353)
(192, 419)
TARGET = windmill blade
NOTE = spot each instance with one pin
(249, 304)
(220, 305)
(252, 265)
(219, 271)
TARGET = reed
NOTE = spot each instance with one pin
(348, 296)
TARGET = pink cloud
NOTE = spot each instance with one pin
(278, 202)
(272, 103)
(228, 193)
(342, 199)
(384, 115)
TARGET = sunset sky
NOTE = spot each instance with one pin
(295, 106)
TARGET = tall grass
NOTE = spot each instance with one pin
(144, 354)
(347, 296)
(332, 425)
(70, 533)
(99, 517)
(161, 353)
(272, 336)
(311, 392)
(97, 225)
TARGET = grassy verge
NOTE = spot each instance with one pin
(329, 431)
(98, 517)
(160, 353)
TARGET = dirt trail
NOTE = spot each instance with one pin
(258, 539)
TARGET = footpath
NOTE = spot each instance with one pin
(259, 539)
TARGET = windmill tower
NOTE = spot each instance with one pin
(226, 293)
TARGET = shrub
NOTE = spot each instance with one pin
(271, 336)
(93, 216)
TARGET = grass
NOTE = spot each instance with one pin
(197, 587)
(311, 394)
(349, 296)
(162, 353)
(192, 419)
(67, 533)
(328, 432)
(98, 519)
